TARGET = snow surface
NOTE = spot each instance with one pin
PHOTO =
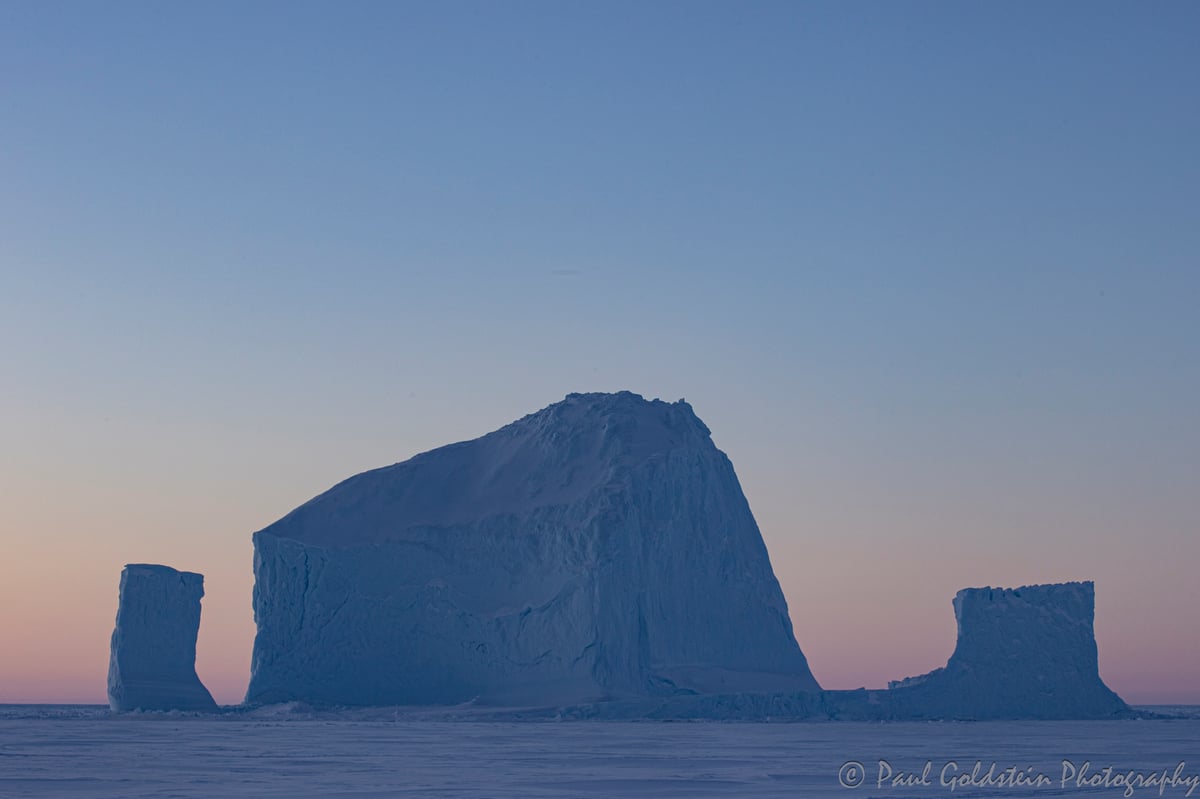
(87, 753)
(152, 661)
(600, 548)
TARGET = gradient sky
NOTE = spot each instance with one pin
(929, 271)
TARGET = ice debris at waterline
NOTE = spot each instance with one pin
(152, 661)
(598, 549)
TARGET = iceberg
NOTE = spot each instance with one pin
(152, 661)
(1026, 652)
(598, 549)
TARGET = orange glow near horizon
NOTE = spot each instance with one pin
(860, 619)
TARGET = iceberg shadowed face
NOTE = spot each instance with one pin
(601, 547)
(153, 660)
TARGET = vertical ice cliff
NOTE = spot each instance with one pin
(152, 664)
(1022, 653)
(599, 548)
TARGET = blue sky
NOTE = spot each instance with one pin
(928, 271)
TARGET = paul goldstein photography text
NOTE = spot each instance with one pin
(954, 775)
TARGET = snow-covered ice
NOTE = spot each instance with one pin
(92, 754)
(152, 661)
(599, 548)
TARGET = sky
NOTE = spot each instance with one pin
(929, 272)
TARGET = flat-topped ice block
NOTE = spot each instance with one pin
(152, 661)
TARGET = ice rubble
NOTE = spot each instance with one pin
(152, 662)
(600, 548)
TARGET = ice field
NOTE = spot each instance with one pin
(85, 752)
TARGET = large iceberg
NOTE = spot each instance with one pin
(152, 661)
(598, 549)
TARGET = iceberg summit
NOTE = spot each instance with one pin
(598, 549)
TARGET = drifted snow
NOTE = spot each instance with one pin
(152, 661)
(600, 548)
